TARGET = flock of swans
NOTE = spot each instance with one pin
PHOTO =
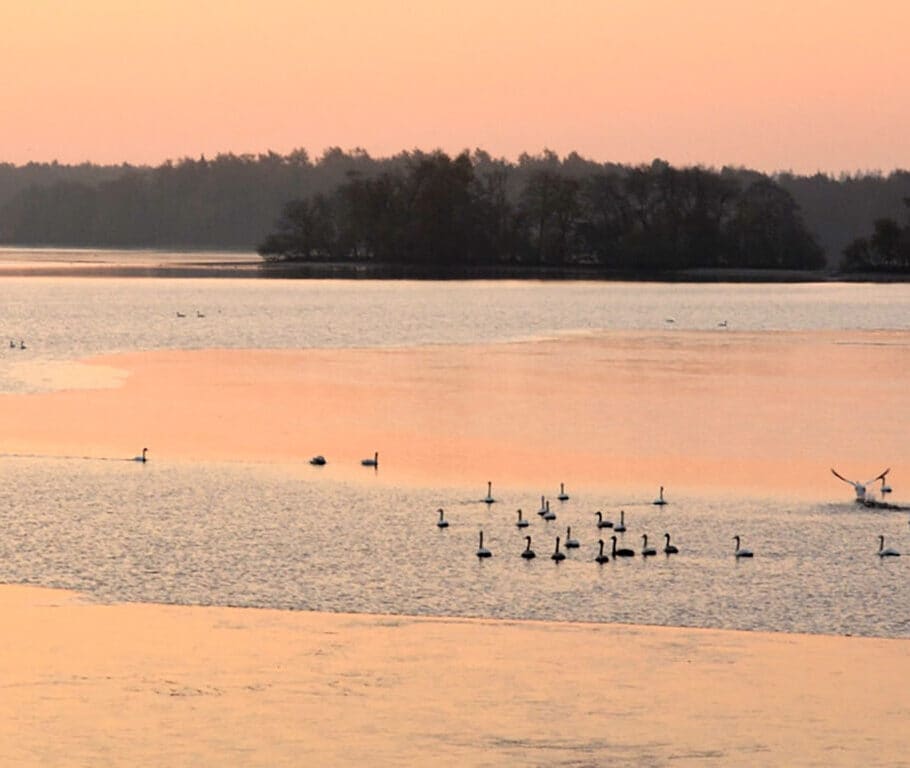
(616, 551)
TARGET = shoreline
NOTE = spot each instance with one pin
(148, 684)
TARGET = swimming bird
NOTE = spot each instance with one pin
(646, 551)
(528, 553)
(563, 496)
(21, 344)
(482, 551)
(601, 523)
(660, 501)
(885, 487)
(570, 542)
(12, 344)
(549, 515)
(199, 314)
(522, 523)
(442, 522)
(889, 552)
(620, 527)
(557, 555)
(669, 549)
(142, 458)
(622, 551)
(489, 499)
(374, 462)
(543, 506)
(601, 557)
(860, 488)
(722, 324)
(739, 552)
(181, 314)
(318, 461)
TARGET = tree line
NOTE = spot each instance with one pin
(886, 249)
(441, 213)
(233, 201)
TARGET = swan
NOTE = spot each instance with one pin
(570, 542)
(620, 527)
(318, 461)
(563, 496)
(741, 552)
(181, 314)
(374, 462)
(889, 552)
(21, 345)
(199, 314)
(860, 488)
(489, 499)
(660, 501)
(522, 523)
(646, 551)
(543, 506)
(141, 458)
(482, 551)
(601, 523)
(622, 551)
(548, 515)
(442, 522)
(669, 549)
(12, 344)
(885, 487)
(528, 553)
(557, 555)
(601, 557)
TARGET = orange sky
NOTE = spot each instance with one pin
(780, 84)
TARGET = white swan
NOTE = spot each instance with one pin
(549, 515)
(739, 552)
(620, 527)
(528, 553)
(669, 549)
(489, 499)
(482, 551)
(883, 552)
(522, 523)
(374, 462)
(563, 496)
(860, 488)
(557, 555)
(142, 458)
(601, 523)
(570, 542)
(601, 557)
(646, 551)
(621, 551)
(660, 501)
(442, 522)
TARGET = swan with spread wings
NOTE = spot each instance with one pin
(860, 488)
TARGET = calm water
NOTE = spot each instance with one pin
(289, 537)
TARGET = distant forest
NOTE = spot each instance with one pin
(472, 208)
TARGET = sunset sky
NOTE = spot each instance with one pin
(803, 85)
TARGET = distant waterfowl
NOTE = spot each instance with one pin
(646, 551)
(522, 523)
(883, 552)
(563, 496)
(489, 498)
(181, 314)
(528, 553)
(601, 523)
(482, 551)
(739, 552)
(620, 527)
(442, 522)
(669, 549)
(318, 461)
(722, 324)
(21, 344)
(570, 542)
(557, 555)
(660, 501)
(860, 488)
(549, 514)
(621, 551)
(199, 314)
(885, 487)
(601, 557)
(142, 457)
(12, 344)
(543, 506)
(374, 462)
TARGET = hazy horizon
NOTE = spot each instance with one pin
(776, 87)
